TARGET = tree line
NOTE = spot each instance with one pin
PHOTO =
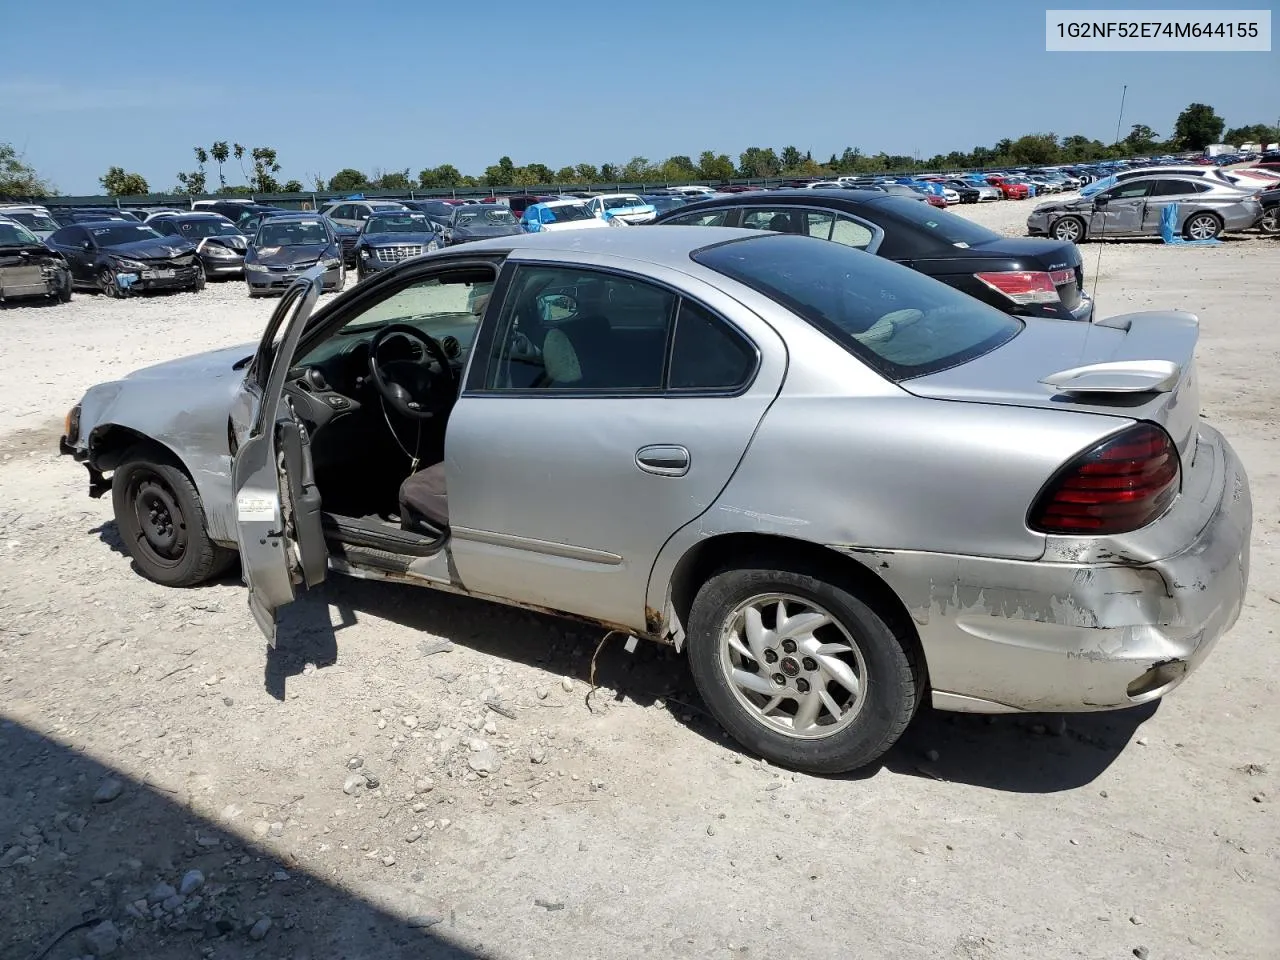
(1195, 127)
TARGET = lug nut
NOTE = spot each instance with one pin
(789, 646)
(802, 685)
(810, 663)
(770, 656)
(779, 679)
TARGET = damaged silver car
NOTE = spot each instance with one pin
(843, 488)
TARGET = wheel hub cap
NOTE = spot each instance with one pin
(794, 667)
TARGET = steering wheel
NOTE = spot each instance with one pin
(412, 387)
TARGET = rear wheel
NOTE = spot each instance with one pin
(1202, 226)
(1068, 228)
(162, 521)
(801, 671)
(1270, 222)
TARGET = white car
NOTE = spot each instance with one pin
(34, 217)
(623, 206)
(692, 189)
(553, 215)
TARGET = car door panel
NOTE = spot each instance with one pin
(564, 501)
(277, 505)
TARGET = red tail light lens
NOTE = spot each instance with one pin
(1120, 485)
(1022, 286)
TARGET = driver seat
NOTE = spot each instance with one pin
(424, 500)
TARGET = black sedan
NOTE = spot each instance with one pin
(480, 221)
(391, 236)
(968, 192)
(1019, 275)
(219, 243)
(28, 268)
(119, 257)
(288, 245)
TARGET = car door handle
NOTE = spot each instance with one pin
(664, 460)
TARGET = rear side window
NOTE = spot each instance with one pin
(708, 354)
(927, 222)
(703, 218)
(896, 320)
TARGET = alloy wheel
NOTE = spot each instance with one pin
(793, 665)
(1202, 227)
(108, 283)
(1067, 229)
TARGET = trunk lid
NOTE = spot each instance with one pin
(1059, 258)
(1138, 366)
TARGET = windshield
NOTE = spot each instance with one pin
(898, 321)
(474, 216)
(568, 211)
(617, 203)
(398, 223)
(207, 228)
(117, 233)
(946, 227)
(16, 235)
(33, 221)
(292, 233)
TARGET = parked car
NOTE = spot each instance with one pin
(972, 518)
(481, 221)
(441, 211)
(661, 203)
(117, 258)
(556, 215)
(390, 236)
(1010, 190)
(1134, 207)
(625, 206)
(965, 192)
(235, 210)
(219, 243)
(1120, 176)
(288, 245)
(28, 268)
(1269, 219)
(519, 204)
(32, 216)
(248, 223)
(1015, 274)
(64, 216)
(353, 213)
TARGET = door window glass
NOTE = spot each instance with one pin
(707, 353)
(772, 218)
(1172, 188)
(852, 233)
(570, 329)
(702, 218)
(1129, 191)
(819, 224)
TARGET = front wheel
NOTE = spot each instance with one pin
(1202, 226)
(199, 283)
(109, 284)
(801, 671)
(1270, 222)
(162, 521)
(1069, 228)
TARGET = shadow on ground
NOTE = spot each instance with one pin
(68, 863)
(1024, 753)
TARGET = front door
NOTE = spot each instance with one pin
(603, 411)
(1120, 211)
(277, 505)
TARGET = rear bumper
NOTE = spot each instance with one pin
(1007, 636)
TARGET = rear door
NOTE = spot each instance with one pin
(277, 503)
(1163, 193)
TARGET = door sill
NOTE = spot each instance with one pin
(380, 536)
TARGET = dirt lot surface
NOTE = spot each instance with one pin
(418, 775)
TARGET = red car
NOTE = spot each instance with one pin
(1011, 191)
(935, 200)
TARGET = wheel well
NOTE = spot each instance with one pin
(109, 442)
(735, 549)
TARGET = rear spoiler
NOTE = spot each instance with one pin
(1159, 345)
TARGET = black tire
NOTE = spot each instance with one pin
(63, 293)
(201, 278)
(1269, 223)
(1207, 225)
(893, 669)
(170, 546)
(109, 285)
(1072, 228)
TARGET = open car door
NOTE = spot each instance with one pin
(277, 506)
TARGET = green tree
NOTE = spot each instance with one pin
(1197, 126)
(586, 173)
(445, 175)
(538, 173)
(500, 174)
(791, 158)
(391, 180)
(609, 173)
(220, 153)
(678, 167)
(1035, 148)
(348, 179)
(566, 175)
(237, 151)
(1253, 133)
(18, 178)
(292, 186)
(757, 162)
(192, 183)
(715, 166)
(1142, 139)
(118, 182)
(264, 169)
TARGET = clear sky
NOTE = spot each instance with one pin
(393, 84)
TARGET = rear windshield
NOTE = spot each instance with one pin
(896, 320)
(942, 226)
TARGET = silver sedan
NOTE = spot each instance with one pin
(1205, 208)
(842, 488)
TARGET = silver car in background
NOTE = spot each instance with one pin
(1134, 207)
(843, 488)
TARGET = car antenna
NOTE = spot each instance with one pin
(1097, 266)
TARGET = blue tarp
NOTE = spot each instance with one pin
(1169, 230)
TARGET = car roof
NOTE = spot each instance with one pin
(193, 215)
(650, 244)
(300, 215)
(798, 196)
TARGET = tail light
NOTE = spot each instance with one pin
(1022, 286)
(1120, 485)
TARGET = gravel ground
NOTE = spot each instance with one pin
(418, 775)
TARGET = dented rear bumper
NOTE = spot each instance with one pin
(1006, 636)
